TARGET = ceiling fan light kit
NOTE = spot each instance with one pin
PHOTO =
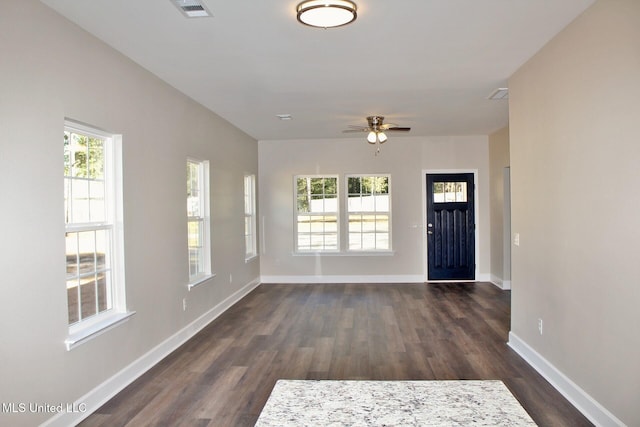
(376, 130)
(371, 137)
(326, 13)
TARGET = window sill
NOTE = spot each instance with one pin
(91, 331)
(249, 259)
(350, 253)
(200, 281)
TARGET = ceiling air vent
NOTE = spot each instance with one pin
(500, 93)
(191, 8)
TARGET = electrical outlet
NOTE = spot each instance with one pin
(540, 326)
(184, 304)
(516, 239)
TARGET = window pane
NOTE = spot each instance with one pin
(368, 223)
(78, 148)
(102, 243)
(303, 204)
(248, 244)
(247, 226)
(355, 223)
(67, 153)
(95, 166)
(382, 241)
(86, 249)
(304, 224)
(331, 203)
(87, 297)
(72, 301)
(381, 185)
(80, 201)
(96, 201)
(331, 186)
(71, 243)
(104, 302)
(194, 234)
(381, 203)
(449, 192)
(331, 224)
(302, 186)
(331, 241)
(317, 241)
(193, 190)
(304, 242)
(317, 224)
(354, 203)
(317, 204)
(368, 241)
(382, 223)
(317, 186)
(355, 241)
(353, 184)
(195, 261)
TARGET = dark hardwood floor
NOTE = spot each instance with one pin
(224, 375)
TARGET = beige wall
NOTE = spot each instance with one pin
(405, 158)
(574, 110)
(51, 69)
(500, 207)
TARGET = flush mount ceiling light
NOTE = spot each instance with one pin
(326, 13)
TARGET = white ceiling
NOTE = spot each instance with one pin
(427, 64)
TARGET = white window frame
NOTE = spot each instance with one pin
(92, 326)
(373, 212)
(297, 214)
(250, 230)
(203, 273)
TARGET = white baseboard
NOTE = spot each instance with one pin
(483, 277)
(590, 408)
(408, 278)
(97, 397)
(405, 278)
(505, 285)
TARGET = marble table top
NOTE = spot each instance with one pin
(392, 403)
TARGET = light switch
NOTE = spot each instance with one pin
(516, 239)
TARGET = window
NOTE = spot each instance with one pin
(250, 249)
(316, 213)
(449, 192)
(93, 219)
(369, 211)
(198, 235)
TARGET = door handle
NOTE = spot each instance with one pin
(429, 232)
(429, 226)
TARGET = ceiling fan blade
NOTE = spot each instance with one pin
(354, 130)
(401, 129)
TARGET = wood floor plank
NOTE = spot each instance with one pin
(446, 331)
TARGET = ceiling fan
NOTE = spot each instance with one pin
(376, 129)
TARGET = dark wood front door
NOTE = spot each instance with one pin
(450, 227)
